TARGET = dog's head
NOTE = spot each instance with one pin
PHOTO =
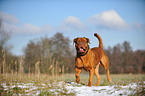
(81, 45)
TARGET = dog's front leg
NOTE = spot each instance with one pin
(91, 77)
(78, 74)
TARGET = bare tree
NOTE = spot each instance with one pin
(4, 37)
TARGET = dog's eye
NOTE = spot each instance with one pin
(78, 42)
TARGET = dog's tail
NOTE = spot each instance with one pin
(100, 40)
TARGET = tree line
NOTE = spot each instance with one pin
(56, 56)
(49, 52)
(123, 59)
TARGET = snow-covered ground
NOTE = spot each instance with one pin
(103, 90)
(71, 87)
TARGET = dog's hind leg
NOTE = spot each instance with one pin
(105, 64)
(97, 74)
(108, 75)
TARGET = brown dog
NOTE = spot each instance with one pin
(90, 59)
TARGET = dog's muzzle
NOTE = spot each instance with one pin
(81, 50)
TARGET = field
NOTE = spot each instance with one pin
(122, 84)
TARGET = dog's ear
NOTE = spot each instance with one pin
(75, 40)
(88, 40)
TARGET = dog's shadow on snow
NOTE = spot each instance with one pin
(74, 83)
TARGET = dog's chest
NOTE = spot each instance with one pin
(83, 63)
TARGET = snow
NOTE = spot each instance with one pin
(78, 89)
(103, 90)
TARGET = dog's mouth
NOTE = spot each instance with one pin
(81, 50)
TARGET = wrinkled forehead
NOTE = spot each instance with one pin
(81, 39)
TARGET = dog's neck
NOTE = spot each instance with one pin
(85, 52)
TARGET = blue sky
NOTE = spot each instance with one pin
(115, 21)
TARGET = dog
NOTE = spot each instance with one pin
(90, 59)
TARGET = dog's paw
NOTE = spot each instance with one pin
(109, 79)
(90, 85)
(96, 85)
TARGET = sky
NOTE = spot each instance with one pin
(115, 21)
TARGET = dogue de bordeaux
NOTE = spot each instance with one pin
(90, 59)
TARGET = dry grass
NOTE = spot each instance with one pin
(35, 84)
